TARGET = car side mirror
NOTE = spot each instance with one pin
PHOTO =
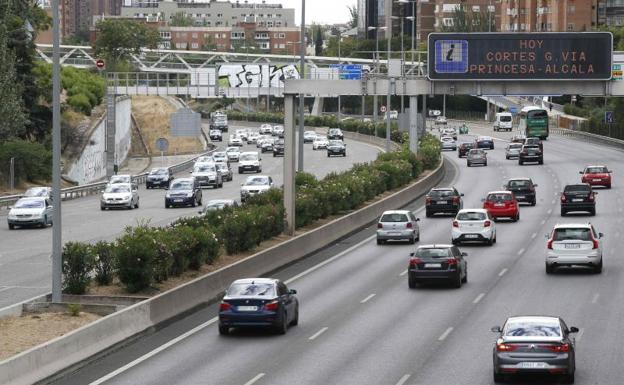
(417, 219)
(482, 199)
(600, 235)
(534, 185)
(242, 184)
(461, 195)
(292, 291)
(190, 172)
(167, 188)
(51, 207)
(412, 254)
(581, 172)
(464, 254)
(200, 212)
(574, 329)
(496, 329)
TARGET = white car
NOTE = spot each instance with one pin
(513, 150)
(255, 185)
(122, 178)
(217, 204)
(207, 174)
(219, 156)
(41, 192)
(249, 161)
(267, 145)
(261, 139)
(233, 153)
(473, 225)
(34, 211)
(309, 136)
(120, 195)
(205, 159)
(320, 142)
(242, 133)
(448, 143)
(278, 131)
(441, 120)
(449, 132)
(215, 135)
(571, 245)
(252, 137)
(397, 225)
(235, 141)
(266, 129)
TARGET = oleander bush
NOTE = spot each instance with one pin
(103, 253)
(78, 262)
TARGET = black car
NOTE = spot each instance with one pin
(336, 147)
(534, 345)
(463, 148)
(183, 192)
(335, 133)
(534, 141)
(258, 302)
(220, 124)
(578, 197)
(278, 148)
(531, 153)
(435, 263)
(443, 200)
(523, 189)
(485, 142)
(158, 177)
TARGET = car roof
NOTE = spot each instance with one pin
(436, 246)
(522, 178)
(533, 318)
(596, 165)
(226, 201)
(577, 184)
(186, 179)
(442, 189)
(256, 280)
(472, 211)
(571, 225)
(122, 175)
(32, 199)
(484, 137)
(395, 212)
(500, 192)
(249, 152)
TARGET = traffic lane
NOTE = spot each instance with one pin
(25, 254)
(348, 277)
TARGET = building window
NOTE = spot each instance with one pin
(476, 8)
(194, 35)
(219, 15)
(165, 35)
(264, 45)
(447, 22)
(282, 36)
(181, 45)
(278, 23)
(570, 26)
(282, 46)
(571, 9)
(194, 45)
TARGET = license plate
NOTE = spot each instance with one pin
(533, 365)
(394, 233)
(433, 265)
(472, 236)
(178, 200)
(442, 202)
(577, 200)
(247, 308)
(499, 205)
(572, 246)
(520, 197)
(596, 180)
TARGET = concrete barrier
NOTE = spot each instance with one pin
(54, 356)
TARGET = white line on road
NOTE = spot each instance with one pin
(595, 299)
(403, 379)
(367, 298)
(533, 235)
(5, 288)
(479, 298)
(323, 330)
(552, 202)
(543, 221)
(549, 211)
(256, 378)
(502, 272)
(403, 273)
(445, 334)
(521, 251)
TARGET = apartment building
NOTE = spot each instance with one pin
(611, 12)
(444, 11)
(548, 15)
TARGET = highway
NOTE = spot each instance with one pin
(360, 324)
(25, 264)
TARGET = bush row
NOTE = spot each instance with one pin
(33, 161)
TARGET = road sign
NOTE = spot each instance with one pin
(99, 63)
(348, 71)
(520, 56)
(162, 144)
(383, 109)
(186, 122)
(609, 117)
(616, 72)
(513, 110)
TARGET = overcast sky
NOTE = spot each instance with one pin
(320, 11)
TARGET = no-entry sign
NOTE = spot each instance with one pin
(99, 63)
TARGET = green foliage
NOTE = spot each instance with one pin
(136, 253)
(103, 253)
(78, 262)
(465, 20)
(80, 103)
(33, 162)
(353, 16)
(74, 309)
(429, 151)
(14, 116)
(180, 19)
(305, 179)
(118, 39)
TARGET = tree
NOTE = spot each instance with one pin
(354, 15)
(118, 39)
(318, 40)
(464, 20)
(14, 118)
(180, 19)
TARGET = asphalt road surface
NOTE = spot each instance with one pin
(25, 263)
(360, 324)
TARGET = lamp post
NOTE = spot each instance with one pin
(390, 81)
(402, 56)
(56, 157)
(301, 96)
(412, 19)
(339, 69)
(375, 100)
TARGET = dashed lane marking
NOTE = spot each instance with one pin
(502, 272)
(595, 299)
(403, 379)
(367, 298)
(479, 298)
(445, 334)
(315, 335)
(255, 379)
(521, 251)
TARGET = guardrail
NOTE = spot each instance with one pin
(588, 137)
(97, 187)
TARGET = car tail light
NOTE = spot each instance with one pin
(452, 261)
(409, 225)
(549, 244)
(591, 196)
(455, 224)
(224, 306)
(563, 198)
(271, 306)
(379, 226)
(455, 199)
(560, 348)
(428, 200)
(487, 223)
(595, 243)
(502, 347)
(415, 261)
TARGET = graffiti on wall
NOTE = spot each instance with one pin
(256, 75)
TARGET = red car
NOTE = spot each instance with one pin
(596, 176)
(502, 204)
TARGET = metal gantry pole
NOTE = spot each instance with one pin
(413, 127)
(339, 70)
(375, 101)
(56, 158)
(390, 81)
(301, 96)
(289, 162)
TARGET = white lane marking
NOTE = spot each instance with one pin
(445, 334)
(579, 335)
(549, 211)
(552, 202)
(543, 221)
(367, 298)
(315, 335)
(256, 378)
(502, 272)
(154, 352)
(330, 260)
(521, 251)
(533, 235)
(5, 288)
(403, 379)
(403, 273)
(479, 298)
(595, 299)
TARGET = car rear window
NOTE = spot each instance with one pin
(433, 253)
(394, 218)
(596, 170)
(441, 193)
(572, 234)
(518, 183)
(471, 216)
(531, 147)
(515, 146)
(251, 289)
(530, 328)
(476, 152)
(576, 188)
(505, 118)
(499, 197)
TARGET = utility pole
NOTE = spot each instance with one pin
(56, 158)
(301, 96)
(339, 70)
(390, 84)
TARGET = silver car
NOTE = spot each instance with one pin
(574, 245)
(513, 150)
(34, 211)
(120, 195)
(476, 156)
(233, 153)
(448, 143)
(398, 225)
(226, 171)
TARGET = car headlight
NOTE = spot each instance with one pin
(12, 216)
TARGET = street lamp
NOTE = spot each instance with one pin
(376, 56)
(412, 19)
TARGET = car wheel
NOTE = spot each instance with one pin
(568, 378)
(428, 214)
(494, 240)
(194, 203)
(465, 280)
(533, 202)
(224, 330)
(550, 269)
(499, 377)
(11, 227)
(520, 162)
(295, 320)
(166, 206)
(506, 157)
(136, 206)
(102, 208)
(455, 242)
(417, 237)
(240, 170)
(598, 268)
(490, 242)
(485, 164)
(592, 212)
(541, 161)
(563, 213)
(380, 241)
(468, 164)
(457, 282)
(609, 186)
(411, 282)
(283, 327)
(412, 240)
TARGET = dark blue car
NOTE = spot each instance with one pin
(258, 302)
(183, 192)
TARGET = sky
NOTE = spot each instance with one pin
(320, 11)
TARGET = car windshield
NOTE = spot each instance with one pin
(117, 189)
(432, 253)
(531, 147)
(335, 142)
(476, 152)
(441, 193)
(222, 166)
(119, 179)
(257, 181)
(505, 118)
(204, 168)
(334, 131)
(181, 185)
(216, 204)
(231, 149)
(251, 289)
(572, 234)
(515, 146)
(532, 328)
(158, 171)
(248, 157)
(481, 138)
(309, 133)
(29, 204)
(577, 188)
(518, 183)
(467, 145)
(446, 139)
(320, 139)
(219, 155)
(499, 197)
(394, 217)
(36, 192)
(596, 170)
(471, 216)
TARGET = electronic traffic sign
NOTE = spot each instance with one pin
(520, 56)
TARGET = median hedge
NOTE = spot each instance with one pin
(145, 255)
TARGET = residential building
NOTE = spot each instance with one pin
(551, 16)
(611, 12)
(444, 11)
(213, 13)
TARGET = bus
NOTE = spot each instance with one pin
(534, 122)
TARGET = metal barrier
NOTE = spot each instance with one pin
(588, 137)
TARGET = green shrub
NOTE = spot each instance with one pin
(78, 262)
(104, 262)
(33, 161)
(135, 258)
(305, 179)
(74, 309)
(80, 103)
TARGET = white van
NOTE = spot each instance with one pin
(504, 121)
